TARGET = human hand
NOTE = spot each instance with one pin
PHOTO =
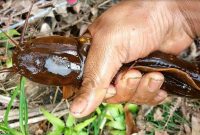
(124, 33)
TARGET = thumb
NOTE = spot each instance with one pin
(101, 66)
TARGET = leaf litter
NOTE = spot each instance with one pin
(175, 116)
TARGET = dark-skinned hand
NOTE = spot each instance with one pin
(125, 32)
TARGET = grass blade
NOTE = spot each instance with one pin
(9, 130)
(84, 124)
(70, 121)
(57, 123)
(23, 110)
(15, 93)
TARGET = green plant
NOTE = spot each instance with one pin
(23, 111)
(169, 122)
(107, 116)
(68, 128)
(8, 45)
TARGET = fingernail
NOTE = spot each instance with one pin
(154, 84)
(161, 95)
(78, 106)
(131, 82)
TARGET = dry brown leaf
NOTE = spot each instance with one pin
(130, 122)
(161, 133)
(83, 29)
(158, 114)
(195, 125)
(21, 7)
(3, 76)
(187, 129)
(94, 11)
(61, 10)
(141, 132)
(77, 7)
(69, 91)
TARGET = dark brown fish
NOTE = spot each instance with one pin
(51, 60)
(181, 77)
(56, 60)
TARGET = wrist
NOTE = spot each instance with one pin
(190, 11)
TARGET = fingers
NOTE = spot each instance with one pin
(142, 90)
(158, 98)
(87, 101)
(100, 68)
(148, 90)
(125, 84)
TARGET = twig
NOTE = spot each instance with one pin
(39, 118)
(41, 94)
(36, 17)
(172, 110)
(57, 106)
(55, 95)
(74, 23)
(103, 3)
(6, 100)
(11, 88)
(35, 112)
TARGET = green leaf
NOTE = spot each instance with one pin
(82, 125)
(82, 133)
(15, 93)
(58, 124)
(8, 46)
(133, 107)
(98, 110)
(70, 121)
(109, 117)
(69, 131)
(117, 132)
(120, 118)
(117, 125)
(9, 63)
(55, 132)
(11, 33)
(99, 123)
(9, 130)
(115, 110)
(23, 109)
